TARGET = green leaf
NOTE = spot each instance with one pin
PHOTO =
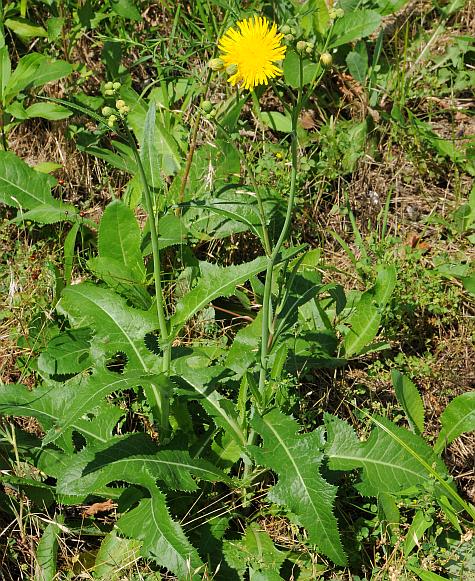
(24, 28)
(49, 111)
(410, 400)
(386, 7)
(47, 214)
(277, 121)
(163, 146)
(126, 9)
(23, 187)
(358, 66)
(352, 26)
(364, 323)
(291, 70)
(385, 284)
(162, 539)
(457, 418)
(121, 279)
(46, 553)
(5, 70)
(149, 154)
(119, 239)
(50, 403)
(222, 410)
(67, 353)
(215, 281)
(255, 551)
(134, 458)
(117, 327)
(35, 70)
(115, 557)
(420, 523)
(86, 393)
(297, 460)
(392, 459)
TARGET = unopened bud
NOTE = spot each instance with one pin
(116, 86)
(326, 59)
(120, 104)
(216, 64)
(112, 119)
(285, 29)
(109, 92)
(106, 111)
(301, 46)
(232, 69)
(289, 37)
(207, 106)
(108, 86)
(339, 13)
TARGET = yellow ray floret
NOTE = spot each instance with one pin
(253, 49)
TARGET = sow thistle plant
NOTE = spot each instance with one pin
(218, 425)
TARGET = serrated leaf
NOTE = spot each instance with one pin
(119, 239)
(136, 459)
(49, 404)
(215, 281)
(457, 418)
(410, 400)
(390, 462)
(121, 280)
(67, 353)
(297, 460)
(117, 327)
(352, 26)
(88, 392)
(23, 187)
(255, 551)
(222, 410)
(162, 538)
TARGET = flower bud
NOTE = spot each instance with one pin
(106, 111)
(124, 110)
(120, 104)
(216, 64)
(326, 59)
(116, 86)
(232, 69)
(207, 106)
(108, 86)
(289, 37)
(112, 119)
(339, 12)
(301, 46)
(109, 92)
(285, 29)
(309, 48)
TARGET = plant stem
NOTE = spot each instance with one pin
(159, 298)
(267, 331)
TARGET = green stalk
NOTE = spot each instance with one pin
(267, 330)
(159, 298)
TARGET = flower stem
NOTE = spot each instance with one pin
(267, 325)
(165, 342)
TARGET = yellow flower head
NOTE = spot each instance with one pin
(253, 49)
